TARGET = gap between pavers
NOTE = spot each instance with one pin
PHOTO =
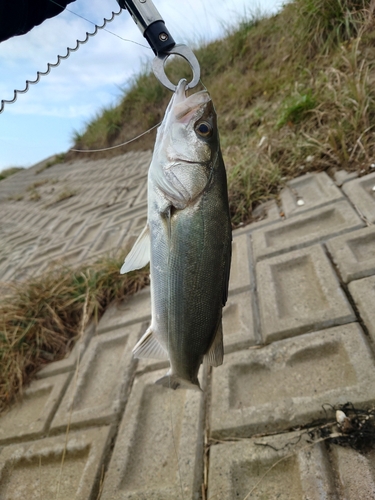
(159, 447)
(285, 384)
(363, 293)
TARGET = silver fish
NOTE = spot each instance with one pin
(187, 240)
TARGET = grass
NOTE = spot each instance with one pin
(60, 158)
(43, 317)
(7, 172)
(297, 86)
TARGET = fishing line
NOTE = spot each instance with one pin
(118, 145)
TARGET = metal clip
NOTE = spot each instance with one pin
(178, 50)
(153, 28)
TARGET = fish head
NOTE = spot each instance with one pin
(186, 145)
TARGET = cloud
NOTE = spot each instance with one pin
(91, 77)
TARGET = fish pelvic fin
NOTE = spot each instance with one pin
(215, 355)
(175, 382)
(139, 255)
(149, 347)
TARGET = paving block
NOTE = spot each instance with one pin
(88, 234)
(138, 225)
(305, 229)
(276, 467)
(69, 258)
(299, 292)
(42, 254)
(238, 322)
(355, 473)
(240, 267)
(110, 238)
(97, 393)
(264, 214)
(307, 192)
(142, 195)
(361, 193)
(31, 417)
(135, 309)
(64, 467)
(342, 176)
(363, 293)
(159, 447)
(74, 228)
(123, 215)
(354, 253)
(69, 363)
(286, 384)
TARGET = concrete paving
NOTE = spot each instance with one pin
(299, 340)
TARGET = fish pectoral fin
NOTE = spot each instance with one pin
(215, 355)
(139, 255)
(149, 347)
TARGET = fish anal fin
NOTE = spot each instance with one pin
(139, 255)
(149, 347)
(215, 355)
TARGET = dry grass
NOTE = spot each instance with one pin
(43, 317)
(294, 93)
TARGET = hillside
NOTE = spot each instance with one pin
(294, 93)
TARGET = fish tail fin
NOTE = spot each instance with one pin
(175, 382)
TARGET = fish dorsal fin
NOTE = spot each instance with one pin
(149, 347)
(215, 355)
(139, 255)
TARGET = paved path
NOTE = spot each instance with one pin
(299, 332)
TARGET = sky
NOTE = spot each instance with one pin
(42, 122)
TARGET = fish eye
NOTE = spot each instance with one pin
(204, 129)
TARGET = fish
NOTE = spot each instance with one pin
(187, 240)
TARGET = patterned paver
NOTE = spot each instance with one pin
(299, 340)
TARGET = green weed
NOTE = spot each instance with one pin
(295, 108)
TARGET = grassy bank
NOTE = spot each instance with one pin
(294, 93)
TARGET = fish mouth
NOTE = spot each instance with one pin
(184, 106)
